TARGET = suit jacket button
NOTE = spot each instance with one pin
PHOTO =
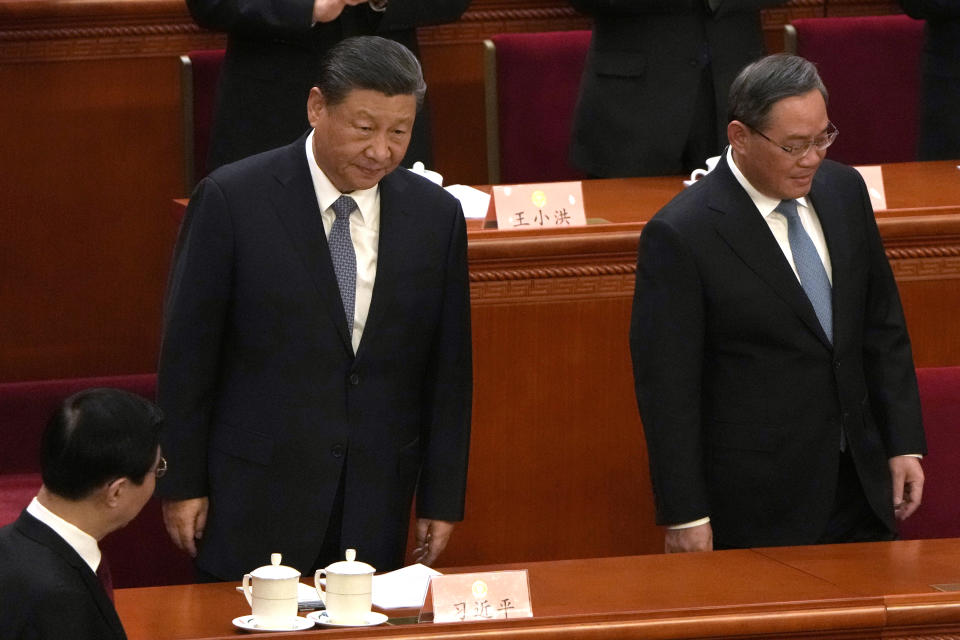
(354, 379)
(337, 450)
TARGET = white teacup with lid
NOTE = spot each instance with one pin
(271, 591)
(349, 587)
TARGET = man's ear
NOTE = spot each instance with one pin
(113, 491)
(315, 106)
(737, 134)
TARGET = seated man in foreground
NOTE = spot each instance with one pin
(100, 457)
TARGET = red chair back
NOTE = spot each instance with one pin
(939, 515)
(871, 67)
(200, 75)
(25, 408)
(537, 83)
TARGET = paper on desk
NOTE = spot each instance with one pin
(474, 202)
(405, 587)
(306, 593)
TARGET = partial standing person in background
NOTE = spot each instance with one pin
(773, 369)
(940, 101)
(653, 99)
(100, 457)
(273, 52)
(316, 369)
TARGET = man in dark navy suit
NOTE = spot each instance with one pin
(773, 369)
(100, 458)
(316, 362)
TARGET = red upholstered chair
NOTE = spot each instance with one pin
(532, 81)
(199, 77)
(141, 554)
(871, 67)
(939, 514)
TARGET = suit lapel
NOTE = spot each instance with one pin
(295, 202)
(746, 232)
(390, 251)
(42, 534)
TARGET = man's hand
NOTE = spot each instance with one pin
(185, 521)
(699, 538)
(432, 539)
(330, 10)
(907, 476)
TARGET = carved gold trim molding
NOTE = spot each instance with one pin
(536, 290)
(617, 279)
(581, 271)
(104, 42)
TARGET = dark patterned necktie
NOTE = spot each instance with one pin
(344, 257)
(103, 575)
(813, 276)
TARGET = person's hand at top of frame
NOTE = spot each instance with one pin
(330, 10)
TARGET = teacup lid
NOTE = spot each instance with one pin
(351, 566)
(274, 570)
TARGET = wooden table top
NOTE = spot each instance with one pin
(773, 592)
(912, 188)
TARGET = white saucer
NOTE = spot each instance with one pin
(320, 617)
(247, 623)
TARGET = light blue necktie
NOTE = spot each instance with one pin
(343, 255)
(813, 277)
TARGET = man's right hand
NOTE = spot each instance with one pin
(185, 521)
(330, 10)
(699, 538)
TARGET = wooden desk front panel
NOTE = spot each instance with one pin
(742, 593)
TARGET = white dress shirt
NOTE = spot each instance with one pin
(778, 222)
(364, 232)
(82, 542)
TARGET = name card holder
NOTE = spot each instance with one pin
(470, 597)
(537, 206)
(873, 176)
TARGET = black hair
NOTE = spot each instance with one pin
(96, 436)
(370, 62)
(763, 83)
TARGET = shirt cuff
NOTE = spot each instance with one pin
(688, 525)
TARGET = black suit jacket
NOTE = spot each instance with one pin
(266, 403)
(48, 590)
(271, 64)
(742, 396)
(940, 105)
(643, 73)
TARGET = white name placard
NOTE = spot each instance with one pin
(492, 595)
(539, 206)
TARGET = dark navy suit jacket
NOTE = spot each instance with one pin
(48, 591)
(741, 394)
(265, 402)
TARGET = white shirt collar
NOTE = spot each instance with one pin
(82, 542)
(327, 194)
(764, 203)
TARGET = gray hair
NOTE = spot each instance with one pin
(766, 81)
(373, 63)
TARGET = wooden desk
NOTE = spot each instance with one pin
(839, 591)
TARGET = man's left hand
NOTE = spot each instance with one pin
(907, 476)
(432, 538)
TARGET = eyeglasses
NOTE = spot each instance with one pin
(799, 150)
(161, 467)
